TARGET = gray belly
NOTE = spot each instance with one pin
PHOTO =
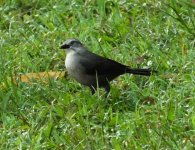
(77, 71)
(80, 76)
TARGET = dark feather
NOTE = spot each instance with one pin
(100, 65)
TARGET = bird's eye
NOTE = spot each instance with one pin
(72, 43)
(67, 46)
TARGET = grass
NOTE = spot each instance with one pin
(141, 113)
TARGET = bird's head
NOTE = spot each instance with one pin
(71, 44)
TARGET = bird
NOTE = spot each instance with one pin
(93, 70)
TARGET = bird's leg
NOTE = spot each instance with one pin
(107, 88)
(93, 89)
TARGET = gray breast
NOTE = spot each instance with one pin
(76, 70)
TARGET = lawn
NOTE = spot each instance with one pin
(156, 112)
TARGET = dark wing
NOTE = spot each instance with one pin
(100, 65)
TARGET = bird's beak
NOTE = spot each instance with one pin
(64, 46)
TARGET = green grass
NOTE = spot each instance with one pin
(141, 113)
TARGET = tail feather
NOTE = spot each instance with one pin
(145, 72)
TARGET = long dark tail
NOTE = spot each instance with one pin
(145, 72)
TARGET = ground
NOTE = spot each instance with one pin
(156, 112)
